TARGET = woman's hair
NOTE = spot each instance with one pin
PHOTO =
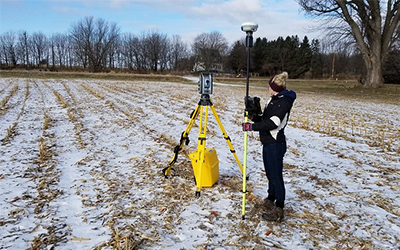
(278, 82)
(280, 79)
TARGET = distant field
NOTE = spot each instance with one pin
(390, 93)
(85, 75)
(349, 88)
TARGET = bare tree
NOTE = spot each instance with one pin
(397, 38)
(370, 23)
(52, 45)
(177, 52)
(210, 48)
(8, 48)
(134, 51)
(39, 47)
(336, 57)
(128, 43)
(24, 43)
(61, 42)
(156, 45)
(114, 53)
(94, 40)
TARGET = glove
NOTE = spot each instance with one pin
(247, 126)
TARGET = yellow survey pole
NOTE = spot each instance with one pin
(249, 28)
(244, 170)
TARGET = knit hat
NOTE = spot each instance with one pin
(278, 82)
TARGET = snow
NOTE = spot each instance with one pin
(92, 178)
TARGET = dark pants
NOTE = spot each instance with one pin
(273, 164)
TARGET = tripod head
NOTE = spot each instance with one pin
(205, 100)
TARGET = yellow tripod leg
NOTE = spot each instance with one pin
(201, 148)
(244, 169)
(184, 138)
(227, 138)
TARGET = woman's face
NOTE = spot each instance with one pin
(271, 92)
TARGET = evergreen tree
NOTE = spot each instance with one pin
(316, 66)
(237, 58)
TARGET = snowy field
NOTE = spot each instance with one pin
(81, 168)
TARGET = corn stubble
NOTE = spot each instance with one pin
(130, 223)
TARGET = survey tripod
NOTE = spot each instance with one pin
(201, 109)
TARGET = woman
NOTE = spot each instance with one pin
(271, 127)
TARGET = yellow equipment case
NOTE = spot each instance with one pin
(210, 169)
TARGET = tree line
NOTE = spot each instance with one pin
(96, 45)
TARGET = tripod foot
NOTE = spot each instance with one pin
(197, 194)
(169, 172)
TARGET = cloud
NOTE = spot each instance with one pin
(275, 17)
(234, 11)
(118, 4)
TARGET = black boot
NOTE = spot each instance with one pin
(274, 215)
(268, 205)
